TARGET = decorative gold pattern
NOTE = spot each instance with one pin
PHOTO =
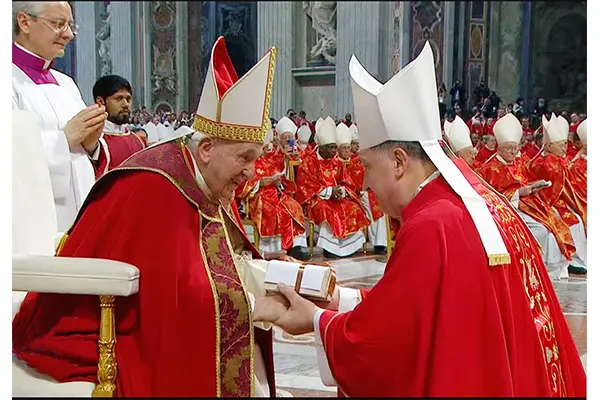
(243, 133)
(107, 361)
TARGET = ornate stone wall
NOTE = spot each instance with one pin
(477, 50)
(559, 54)
(506, 27)
(427, 23)
(163, 55)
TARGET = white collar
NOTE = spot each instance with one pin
(426, 182)
(46, 62)
(200, 180)
(502, 160)
(111, 127)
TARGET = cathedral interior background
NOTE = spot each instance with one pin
(520, 49)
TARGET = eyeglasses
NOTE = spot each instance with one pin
(59, 25)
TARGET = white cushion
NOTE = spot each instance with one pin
(89, 276)
(27, 382)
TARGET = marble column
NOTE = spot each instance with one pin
(448, 50)
(275, 27)
(508, 80)
(141, 62)
(85, 44)
(462, 27)
(181, 42)
(405, 23)
(121, 38)
(358, 33)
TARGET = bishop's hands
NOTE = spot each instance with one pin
(338, 193)
(86, 127)
(290, 311)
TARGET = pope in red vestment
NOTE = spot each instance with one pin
(189, 332)
(117, 143)
(478, 316)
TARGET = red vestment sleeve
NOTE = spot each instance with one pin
(166, 335)
(100, 164)
(438, 319)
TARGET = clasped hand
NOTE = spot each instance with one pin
(290, 311)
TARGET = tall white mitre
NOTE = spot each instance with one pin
(557, 129)
(508, 129)
(232, 108)
(354, 130)
(286, 125)
(304, 133)
(406, 109)
(343, 135)
(447, 126)
(317, 125)
(582, 132)
(269, 136)
(326, 132)
(458, 134)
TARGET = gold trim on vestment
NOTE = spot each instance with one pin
(217, 309)
(248, 303)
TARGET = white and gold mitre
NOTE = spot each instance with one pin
(458, 134)
(343, 134)
(557, 129)
(406, 109)
(582, 132)
(508, 129)
(232, 108)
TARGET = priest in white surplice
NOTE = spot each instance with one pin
(70, 131)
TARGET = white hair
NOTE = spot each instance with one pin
(194, 140)
(28, 7)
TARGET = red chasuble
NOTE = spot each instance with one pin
(356, 171)
(275, 212)
(508, 179)
(578, 173)
(189, 331)
(484, 154)
(454, 326)
(117, 147)
(561, 195)
(345, 216)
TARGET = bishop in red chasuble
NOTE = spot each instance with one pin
(270, 196)
(189, 332)
(475, 314)
(327, 192)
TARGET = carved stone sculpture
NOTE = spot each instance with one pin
(323, 15)
(164, 75)
(103, 38)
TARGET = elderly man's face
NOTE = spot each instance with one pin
(474, 139)
(558, 148)
(344, 151)
(226, 163)
(355, 147)
(508, 151)
(48, 33)
(467, 154)
(284, 139)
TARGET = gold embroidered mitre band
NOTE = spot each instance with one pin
(232, 108)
